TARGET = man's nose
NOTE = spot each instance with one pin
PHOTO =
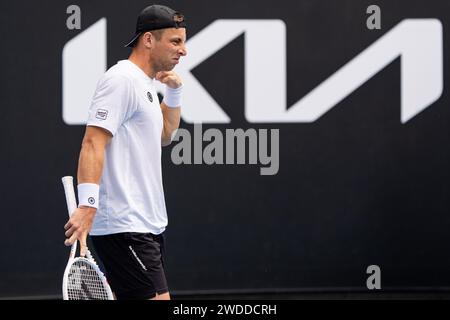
(183, 50)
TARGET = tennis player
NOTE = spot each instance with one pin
(120, 190)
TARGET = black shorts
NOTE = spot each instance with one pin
(133, 263)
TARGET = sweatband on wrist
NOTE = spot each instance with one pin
(88, 195)
(172, 97)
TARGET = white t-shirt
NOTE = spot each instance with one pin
(131, 191)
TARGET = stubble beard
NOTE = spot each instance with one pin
(161, 66)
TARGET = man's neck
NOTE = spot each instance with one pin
(143, 63)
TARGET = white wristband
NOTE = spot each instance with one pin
(172, 97)
(88, 195)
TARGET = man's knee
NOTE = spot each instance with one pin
(163, 296)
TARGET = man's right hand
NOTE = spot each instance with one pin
(78, 227)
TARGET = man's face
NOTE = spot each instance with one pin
(167, 51)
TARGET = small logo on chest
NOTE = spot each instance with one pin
(149, 96)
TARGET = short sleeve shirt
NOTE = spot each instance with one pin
(131, 199)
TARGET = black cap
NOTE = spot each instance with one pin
(156, 17)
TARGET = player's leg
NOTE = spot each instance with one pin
(164, 296)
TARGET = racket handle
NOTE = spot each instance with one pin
(71, 207)
(70, 194)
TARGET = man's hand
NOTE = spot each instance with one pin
(78, 227)
(169, 78)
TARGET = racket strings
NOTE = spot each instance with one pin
(84, 283)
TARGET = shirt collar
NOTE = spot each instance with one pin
(139, 72)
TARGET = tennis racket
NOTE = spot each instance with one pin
(83, 279)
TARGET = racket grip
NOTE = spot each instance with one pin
(69, 191)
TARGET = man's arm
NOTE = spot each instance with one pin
(171, 123)
(90, 167)
(90, 163)
(170, 106)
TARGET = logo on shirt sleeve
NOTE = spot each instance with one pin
(101, 114)
(149, 96)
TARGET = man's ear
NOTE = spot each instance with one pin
(148, 40)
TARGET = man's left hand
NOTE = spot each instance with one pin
(169, 78)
